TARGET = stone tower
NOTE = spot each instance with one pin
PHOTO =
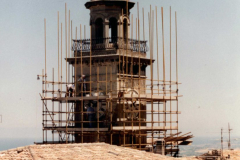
(109, 97)
(114, 66)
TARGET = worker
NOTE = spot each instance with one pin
(59, 93)
(91, 115)
(70, 90)
(82, 86)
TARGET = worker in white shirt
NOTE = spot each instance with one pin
(70, 90)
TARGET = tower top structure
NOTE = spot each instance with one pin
(121, 3)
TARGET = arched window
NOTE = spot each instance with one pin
(113, 29)
(99, 30)
(125, 29)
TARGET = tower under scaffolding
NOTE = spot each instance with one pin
(107, 95)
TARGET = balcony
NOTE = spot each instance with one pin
(112, 43)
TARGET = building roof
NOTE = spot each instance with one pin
(85, 151)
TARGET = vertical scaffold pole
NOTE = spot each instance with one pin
(90, 89)
(111, 110)
(132, 80)
(45, 89)
(171, 76)
(164, 79)
(82, 83)
(98, 103)
(58, 73)
(43, 102)
(176, 68)
(58, 53)
(139, 75)
(157, 67)
(152, 92)
(60, 114)
(52, 103)
(75, 77)
(67, 93)
(170, 71)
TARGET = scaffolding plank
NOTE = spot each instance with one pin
(76, 129)
(146, 97)
(181, 138)
(150, 97)
(185, 143)
(145, 128)
(73, 99)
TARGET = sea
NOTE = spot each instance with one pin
(10, 143)
(199, 146)
(202, 145)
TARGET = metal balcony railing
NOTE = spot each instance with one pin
(109, 43)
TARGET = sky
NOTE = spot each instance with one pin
(208, 51)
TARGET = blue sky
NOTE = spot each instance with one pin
(209, 60)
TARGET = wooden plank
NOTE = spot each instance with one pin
(84, 129)
(166, 139)
(126, 96)
(185, 143)
(171, 150)
(160, 128)
(69, 99)
(175, 139)
(149, 97)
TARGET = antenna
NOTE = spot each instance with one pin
(221, 142)
(229, 140)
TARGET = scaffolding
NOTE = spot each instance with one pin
(112, 100)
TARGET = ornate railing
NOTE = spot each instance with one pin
(109, 43)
